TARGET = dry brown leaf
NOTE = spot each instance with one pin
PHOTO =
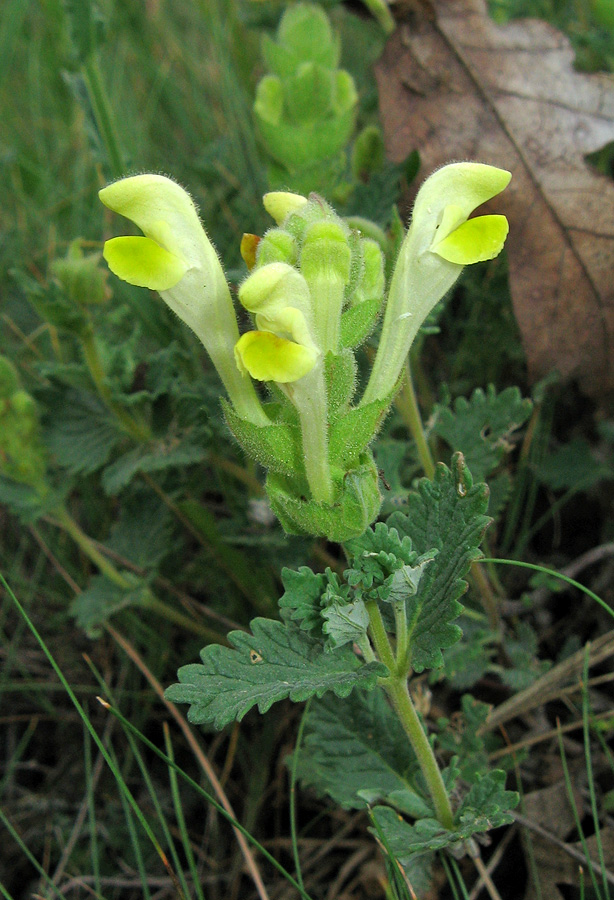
(457, 86)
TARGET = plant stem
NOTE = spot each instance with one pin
(400, 618)
(85, 543)
(308, 395)
(379, 636)
(407, 404)
(65, 521)
(137, 430)
(397, 690)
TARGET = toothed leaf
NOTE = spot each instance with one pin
(272, 663)
(446, 514)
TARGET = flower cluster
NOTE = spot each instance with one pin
(315, 289)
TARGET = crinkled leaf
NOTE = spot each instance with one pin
(356, 751)
(79, 430)
(447, 514)
(466, 662)
(102, 599)
(152, 457)
(301, 601)
(345, 623)
(463, 739)
(273, 663)
(481, 426)
(486, 806)
(406, 580)
(375, 556)
(26, 503)
(375, 199)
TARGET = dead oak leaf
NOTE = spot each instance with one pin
(457, 86)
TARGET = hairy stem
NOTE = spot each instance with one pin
(308, 395)
(397, 690)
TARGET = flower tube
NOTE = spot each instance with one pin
(175, 257)
(441, 240)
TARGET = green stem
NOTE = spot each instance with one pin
(137, 430)
(400, 618)
(397, 690)
(407, 404)
(379, 636)
(366, 649)
(65, 521)
(104, 115)
(85, 543)
(308, 395)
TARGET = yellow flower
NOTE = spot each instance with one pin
(176, 258)
(282, 348)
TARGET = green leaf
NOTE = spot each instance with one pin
(27, 503)
(357, 505)
(356, 751)
(276, 661)
(406, 580)
(340, 372)
(469, 660)
(376, 198)
(277, 446)
(352, 433)
(486, 806)
(376, 556)
(155, 456)
(462, 739)
(102, 599)
(573, 465)
(79, 430)
(301, 601)
(357, 322)
(51, 303)
(345, 623)
(143, 532)
(481, 427)
(446, 514)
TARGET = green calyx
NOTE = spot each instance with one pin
(314, 291)
(356, 505)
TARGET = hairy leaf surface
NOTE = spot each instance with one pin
(446, 514)
(356, 751)
(275, 661)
